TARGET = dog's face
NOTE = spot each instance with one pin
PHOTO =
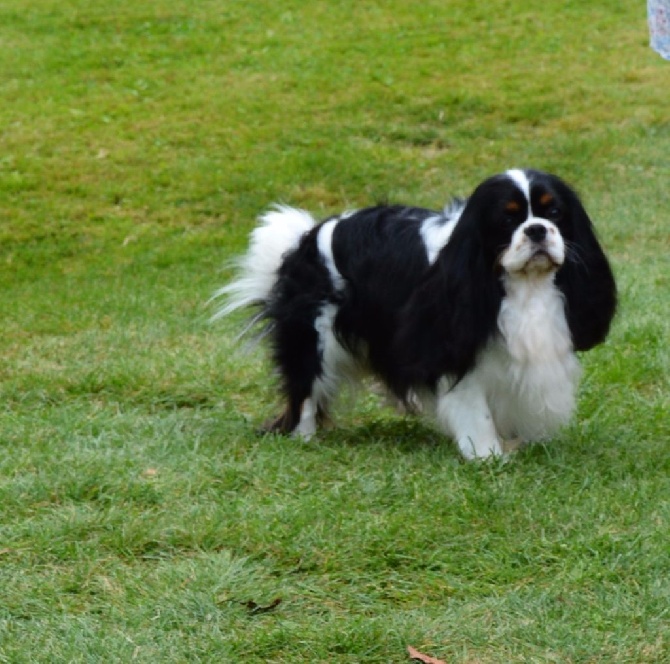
(527, 219)
(535, 211)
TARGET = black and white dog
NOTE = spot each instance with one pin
(473, 313)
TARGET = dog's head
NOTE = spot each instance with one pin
(521, 224)
(528, 224)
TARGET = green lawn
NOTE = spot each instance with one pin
(141, 518)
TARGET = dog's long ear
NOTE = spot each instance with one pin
(586, 281)
(452, 313)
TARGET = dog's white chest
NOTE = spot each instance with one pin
(532, 370)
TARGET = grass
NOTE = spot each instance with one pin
(139, 513)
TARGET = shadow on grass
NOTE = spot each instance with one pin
(571, 449)
(406, 434)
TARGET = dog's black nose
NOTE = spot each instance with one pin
(536, 232)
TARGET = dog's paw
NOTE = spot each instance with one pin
(480, 450)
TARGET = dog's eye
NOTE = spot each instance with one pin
(554, 213)
(511, 213)
(511, 217)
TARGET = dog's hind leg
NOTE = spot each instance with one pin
(299, 360)
(312, 363)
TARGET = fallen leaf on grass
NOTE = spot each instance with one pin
(255, 609)
(420, 657)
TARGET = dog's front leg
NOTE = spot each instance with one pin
(464, 414)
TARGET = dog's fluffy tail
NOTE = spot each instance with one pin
(279, 230)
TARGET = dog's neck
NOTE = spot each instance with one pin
(532, 319)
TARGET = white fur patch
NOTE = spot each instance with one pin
(279, 231)
(324, 242)
(307, 426)
(532, 371)
(436, 231)
(521, 181)
(337, 363)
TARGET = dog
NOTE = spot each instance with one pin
(475, 312)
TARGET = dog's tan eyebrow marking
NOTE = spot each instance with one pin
(546, 199)
(512, 206)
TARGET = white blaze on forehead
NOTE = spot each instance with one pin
(521, 180)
